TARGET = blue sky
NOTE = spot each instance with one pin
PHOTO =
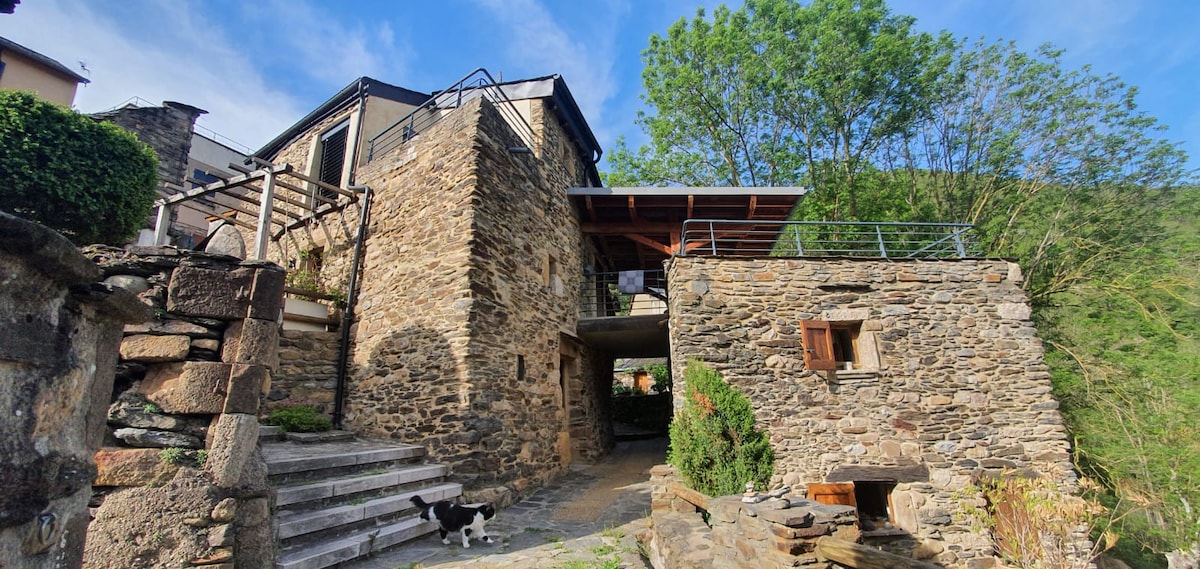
(258, 66)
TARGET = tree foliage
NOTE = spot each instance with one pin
(714, 442)
(91, 181)
(1055, 167)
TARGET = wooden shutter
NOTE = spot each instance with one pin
(333, 155)
(835, 493)
(818, 344)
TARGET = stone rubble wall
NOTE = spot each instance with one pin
(59, 334)
(180, 480)
(307, 372)
(772, 533)
(961, 387)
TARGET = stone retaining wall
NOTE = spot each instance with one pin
(776, 532)
(59, 333)
(950, 382)
(180, 481)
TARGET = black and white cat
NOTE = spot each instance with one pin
(468, 520)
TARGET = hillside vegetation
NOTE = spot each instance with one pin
(1055, 167)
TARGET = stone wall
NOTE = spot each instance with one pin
(954, 384)
(307, 372)
(780, 531)
(180, 482)
(60, 331)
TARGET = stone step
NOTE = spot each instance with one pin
(289, 463)
(322, 437)
(294, 497)
(330, 520)
(270, 433)
(361, 543)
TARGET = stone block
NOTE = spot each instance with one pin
(252, 341)
(169, 327)
(134, 436)
(245, 388)
(266, 298)
(220, 536)
(234, 441)
(132, 467)
(725, 509)
(791, 517)
(208, 293)
(153, 349)
(188, 387)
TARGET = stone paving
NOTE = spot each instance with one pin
(586, 519)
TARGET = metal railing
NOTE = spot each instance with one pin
(712, 237)
(478, 83)
(624, 293)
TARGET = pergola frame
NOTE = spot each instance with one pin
(276, 186)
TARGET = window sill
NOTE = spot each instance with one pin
(852, 374)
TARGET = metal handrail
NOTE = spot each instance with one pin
(720, 237)
(478, 83)
(623, 293)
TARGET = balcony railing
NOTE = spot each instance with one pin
(716, 238)
(478, 83)
(625, 293)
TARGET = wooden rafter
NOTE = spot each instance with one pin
(665, 249)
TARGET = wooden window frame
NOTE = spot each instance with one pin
(825, 344)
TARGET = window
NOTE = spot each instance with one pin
(837, 345)
(332, 158)
(551, 278)
(520, 368)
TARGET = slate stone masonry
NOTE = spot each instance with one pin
(958, 385)
(180, 478)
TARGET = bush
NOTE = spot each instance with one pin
(300, 419)
(714, 443)
(91, 181)
(662, 378)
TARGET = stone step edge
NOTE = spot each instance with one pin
(352, 458)
(352, 484)
(290, 527)
(360, 544)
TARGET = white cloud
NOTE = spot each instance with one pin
(583, 57)
(197, 68)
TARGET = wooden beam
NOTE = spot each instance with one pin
(691, 205)
(633, 216)
(587, 200)
(863, 557)
(315, 195)
(753, 206)
(665, 249)
(214, 187)
(600, 228)
(688, 495)
(255, 202)
(194, 207)
(321, 184)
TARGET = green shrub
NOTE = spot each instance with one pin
(91, 181)
(662, 378)
(714, 443)
(300, 419)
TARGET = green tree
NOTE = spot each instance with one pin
(91, 181)
(714, 442)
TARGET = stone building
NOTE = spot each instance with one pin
(489, 281)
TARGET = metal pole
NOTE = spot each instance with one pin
(264, 217)
(958, 244)
(712, 234)
(162, 220)
(799, 245)
(882, 247)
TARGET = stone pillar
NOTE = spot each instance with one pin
(60, 331)
(183, 481)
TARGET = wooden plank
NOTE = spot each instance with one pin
(218, 186)
(859, 473)
(601, 228)
(321, 184)
(306, 193)
(688, 495)
(665, 249)
(839, 493)
(863, 557)
(206, 211)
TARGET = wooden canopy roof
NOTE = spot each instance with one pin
(638, 228)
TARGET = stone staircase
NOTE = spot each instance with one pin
(341, 500)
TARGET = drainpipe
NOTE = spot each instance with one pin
(339, 393)
(362, 110)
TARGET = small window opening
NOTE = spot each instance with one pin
(551, 276)
(845, 343)
(874, 501)
(520, 368)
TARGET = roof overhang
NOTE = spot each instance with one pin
(638, 228)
